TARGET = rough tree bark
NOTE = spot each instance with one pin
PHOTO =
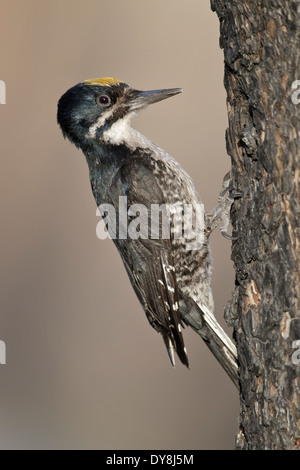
(261, 42)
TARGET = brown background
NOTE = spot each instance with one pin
(84, 368)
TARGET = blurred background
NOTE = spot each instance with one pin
(84, 368)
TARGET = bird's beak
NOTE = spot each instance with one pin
(138, 100)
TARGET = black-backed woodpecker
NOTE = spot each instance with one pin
(171, 280)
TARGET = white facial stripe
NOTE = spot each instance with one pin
(101, 121)
(120, 131)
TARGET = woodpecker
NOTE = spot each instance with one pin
(170, 278)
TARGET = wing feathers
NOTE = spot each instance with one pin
(170, 285)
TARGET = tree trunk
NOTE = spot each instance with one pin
(261, 42)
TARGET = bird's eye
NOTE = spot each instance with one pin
(104, 100)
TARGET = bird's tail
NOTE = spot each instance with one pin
(203, 321)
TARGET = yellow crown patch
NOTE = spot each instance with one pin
(107, 81)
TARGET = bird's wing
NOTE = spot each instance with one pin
(149, 262)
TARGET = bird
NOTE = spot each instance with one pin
(170, 275)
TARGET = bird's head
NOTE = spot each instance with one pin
(89, 109)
